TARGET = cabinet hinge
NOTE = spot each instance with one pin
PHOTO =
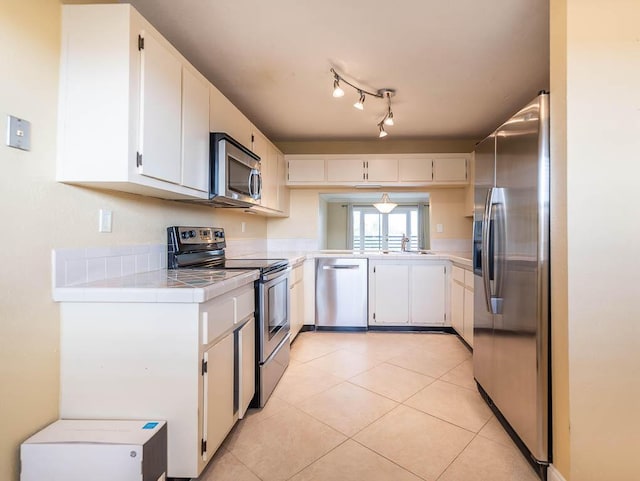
(445, 316)
(374, 316)
(432, 167)
(140, 42)
(253, 139)
(203, 447)
(374, 270)
(466, 169)
(204, 367)
(138, 159)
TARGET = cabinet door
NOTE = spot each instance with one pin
(283, 190)
(306, 170)
(457, 307)
(269, 168)
(218, 415)
(450, 170)
(246, 366)
(390, 294)
(415, 170)
(382, 170)
(428, 294)
(161, 112)
(226, 117)
(468, 316)
(195, 131)
(345, 170)
(295, 308)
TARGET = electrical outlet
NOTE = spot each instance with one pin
(18, 133)
(243, 226)
(105, 219)
(439, 228)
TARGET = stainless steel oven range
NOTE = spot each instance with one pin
(204, 247)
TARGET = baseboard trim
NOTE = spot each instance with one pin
(553, 474)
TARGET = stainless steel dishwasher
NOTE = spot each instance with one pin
(341, 292)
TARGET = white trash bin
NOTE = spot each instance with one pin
(96, 450)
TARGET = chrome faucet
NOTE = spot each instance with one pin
(404, 243)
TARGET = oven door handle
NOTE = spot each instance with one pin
(270, 277)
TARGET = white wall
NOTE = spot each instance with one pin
(602, 227)
(39, 214)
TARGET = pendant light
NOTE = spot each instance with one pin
(385, 205)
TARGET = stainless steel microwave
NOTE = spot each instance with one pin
(236, 180)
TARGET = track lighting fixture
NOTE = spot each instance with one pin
(381, 94)
(360, 103)
(337, 91)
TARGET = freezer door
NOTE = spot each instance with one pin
(482, 318)
(520, 342)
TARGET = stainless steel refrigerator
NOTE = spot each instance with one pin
(511, 266)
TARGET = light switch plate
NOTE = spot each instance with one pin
(18, 133)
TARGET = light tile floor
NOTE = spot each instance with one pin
(372, 407)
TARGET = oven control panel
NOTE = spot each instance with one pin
(199, 235)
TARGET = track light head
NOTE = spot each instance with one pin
(388, 120)
(337, 90)
(360, 103)
(383, 133)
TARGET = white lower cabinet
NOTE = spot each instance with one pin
(407, 292)
(462, 303)
(246, 375)
(218, 380)
(296, 295)
(170, 361)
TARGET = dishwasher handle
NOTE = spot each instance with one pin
(346, 266)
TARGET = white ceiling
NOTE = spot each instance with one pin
(459, 67)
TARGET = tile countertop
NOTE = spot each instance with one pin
(163, 285)
(462, 259)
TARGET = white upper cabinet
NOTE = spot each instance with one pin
(122, 88)
(305, 170)
(274, 190)
(402, 170)
(226, 117)
(346, 170)
(450, 170)
(160, 109)
(418, 169)
(382, 170)
(361, 170)
(195, 130)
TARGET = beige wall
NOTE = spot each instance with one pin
(377, 146)
(336, 225)
(39, 214)
(601, 259)
(559, 308)
(447, 208)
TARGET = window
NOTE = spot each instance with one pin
(372, 230)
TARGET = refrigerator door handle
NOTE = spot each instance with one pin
(484, 250)
(498, 239)
(493, 229)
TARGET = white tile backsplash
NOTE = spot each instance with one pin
(451, 245)
(293, 245)
(78, 266)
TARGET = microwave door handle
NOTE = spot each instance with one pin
(250, 184)
(259, 177)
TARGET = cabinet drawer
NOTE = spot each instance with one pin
(468, 279)
(245, 305)
(458, 274)
(296, 275)
(217, 318)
